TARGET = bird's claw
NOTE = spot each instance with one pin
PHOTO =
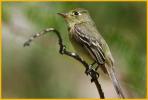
(88, 70)
(92, 72)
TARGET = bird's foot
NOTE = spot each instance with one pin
(92, 72)
(89, 69)
(94, 75)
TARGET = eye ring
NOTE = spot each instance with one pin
(76, 13)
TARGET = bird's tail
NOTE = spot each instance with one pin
(111, 73)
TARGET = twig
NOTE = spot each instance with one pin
(92, 73)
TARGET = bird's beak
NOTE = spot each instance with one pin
(63, 14)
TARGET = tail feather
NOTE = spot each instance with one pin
(116, 84)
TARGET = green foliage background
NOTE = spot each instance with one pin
(39, 71)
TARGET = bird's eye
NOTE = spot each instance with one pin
(76, 13)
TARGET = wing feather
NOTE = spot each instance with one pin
(83, 36)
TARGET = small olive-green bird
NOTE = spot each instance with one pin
(89, 43)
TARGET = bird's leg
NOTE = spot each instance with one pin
(92, 72)
(90, 68)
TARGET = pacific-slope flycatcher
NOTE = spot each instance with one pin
(89, 44)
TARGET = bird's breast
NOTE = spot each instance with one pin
(79, 48)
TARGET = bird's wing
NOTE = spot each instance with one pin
(85, 37)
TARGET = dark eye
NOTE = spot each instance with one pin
(76, 13)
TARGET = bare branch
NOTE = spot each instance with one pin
(92, 73)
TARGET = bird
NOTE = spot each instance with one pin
(89, 43)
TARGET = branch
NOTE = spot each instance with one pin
(92, 73)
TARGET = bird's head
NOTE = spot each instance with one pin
(76, 16)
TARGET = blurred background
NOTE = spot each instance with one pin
(39, 71)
